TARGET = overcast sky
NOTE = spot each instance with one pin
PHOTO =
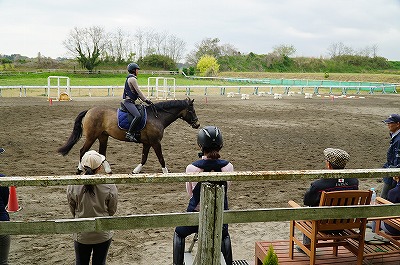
(311, 26)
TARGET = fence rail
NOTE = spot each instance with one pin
(221, 90)
(211, 215)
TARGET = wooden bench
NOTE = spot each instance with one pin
(391, 247)
(325, 256)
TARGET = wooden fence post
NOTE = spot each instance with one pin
(210, 223)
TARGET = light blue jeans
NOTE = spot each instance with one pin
(4, 249)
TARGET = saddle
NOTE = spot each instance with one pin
(125, 117)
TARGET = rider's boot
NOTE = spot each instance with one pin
(179, 250)
(131, 135)
(226, 250)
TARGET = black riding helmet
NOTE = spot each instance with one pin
(132, 67)
(210, 138)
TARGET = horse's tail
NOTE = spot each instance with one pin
(75, 135)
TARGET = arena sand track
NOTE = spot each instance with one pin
(259, 134)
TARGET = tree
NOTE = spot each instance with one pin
(208, 66)
(284, 50)
(87, 45)
(209, 46)
(119, 47)
(157, 61)
(271, 258)
(339, 49)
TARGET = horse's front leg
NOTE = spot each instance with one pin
(145, 154)
(158, 150)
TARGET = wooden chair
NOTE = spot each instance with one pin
(333, 232)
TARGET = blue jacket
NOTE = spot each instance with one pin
(393, 157)
(393, 196)
(4, 193)
(313, 194)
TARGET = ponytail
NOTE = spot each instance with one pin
(89, 188)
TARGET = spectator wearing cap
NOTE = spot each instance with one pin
(5, 240)
(334, 159)
(92, 201)
(393, 153)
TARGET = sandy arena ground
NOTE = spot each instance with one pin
(260, 134)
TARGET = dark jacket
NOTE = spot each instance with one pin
(393, 196)
(207, 166)
(313, 195)
(4, 194)
(127, 91)
(393, 157)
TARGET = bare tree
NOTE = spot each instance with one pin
(339, 49)
(87, 45)
(139, 41)
(374, 49)
(285, 50)
(119, 46)
(175, 48)
(160, 40)
(210, 46)
(333, 50)
(150, 37)
(228, 50)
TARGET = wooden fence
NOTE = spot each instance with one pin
(212, 201)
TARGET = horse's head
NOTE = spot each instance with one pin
(189, 114)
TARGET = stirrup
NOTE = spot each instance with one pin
(131, 137)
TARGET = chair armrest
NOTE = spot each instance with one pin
(380, 200)
(293, 204)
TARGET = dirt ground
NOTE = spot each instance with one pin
(259, 134)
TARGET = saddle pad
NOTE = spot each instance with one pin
(125, 119)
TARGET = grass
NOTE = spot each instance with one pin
(40, 79)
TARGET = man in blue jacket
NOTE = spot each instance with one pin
(393, 153)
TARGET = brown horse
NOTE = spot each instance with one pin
(101, 122)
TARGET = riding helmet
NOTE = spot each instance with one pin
(132, 67)
(210, 137)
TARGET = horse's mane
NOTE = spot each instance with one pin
(168, 104)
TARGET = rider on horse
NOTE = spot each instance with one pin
(131, 93)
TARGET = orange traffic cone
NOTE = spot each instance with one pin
(13, 201)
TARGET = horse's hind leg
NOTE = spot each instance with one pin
(103, 140)
(86, 146)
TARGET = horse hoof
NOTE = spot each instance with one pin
(107, 167)
(164, 170)
(137, 169)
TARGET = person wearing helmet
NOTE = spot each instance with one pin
(5, 240)
(131, 93)
(87, 201)
(210, 142)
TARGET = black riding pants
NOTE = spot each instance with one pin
(130, 106)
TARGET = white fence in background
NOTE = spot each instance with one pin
(77, 91)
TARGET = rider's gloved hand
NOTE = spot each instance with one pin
(149, 102)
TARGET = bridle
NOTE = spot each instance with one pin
(189, 110)
(193, 121)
